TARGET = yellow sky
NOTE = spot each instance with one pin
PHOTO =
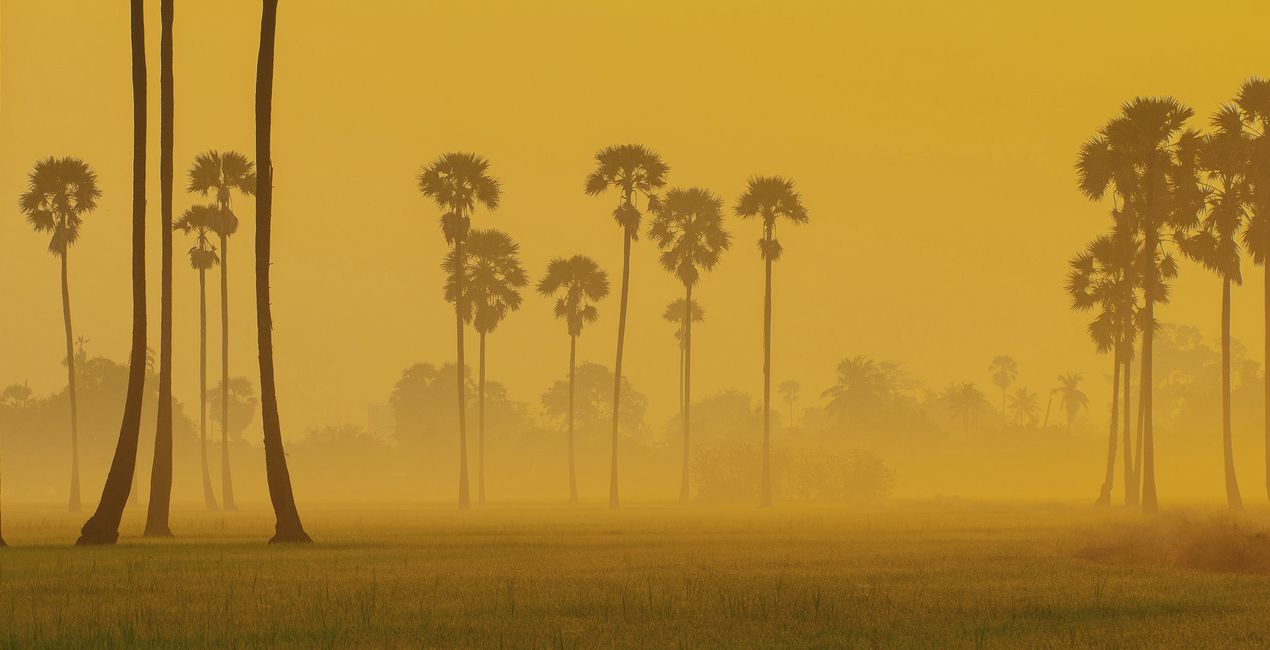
(933, 143)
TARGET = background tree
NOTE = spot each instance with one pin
(636, 172)
(222, 174)
(688, 228)
(788, 391)
(493, 276)
(578, 283)
(1004, 369)
(965, 402)
(1254, 107)
(1070, 397)
(678, 312)
(60, 192)
(103, 526)
(198, 221)
(863, 385)
(1025, 405)
(458, 183)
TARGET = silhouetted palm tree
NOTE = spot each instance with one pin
(1025, 405)
(675, 313)
(288, 527)
(862, 383)
(1147, 157)
(769, 198)
(222, 174)
(1004, 369)
(198, 221)
(688, 228)
(161, 469)
(635, 172)
(788, 390)
(965, 402)
(458, 182)
(580, 283)
(493, 279)
(1254, 107)
(60, 192)
(1070, 397)
(103, 526)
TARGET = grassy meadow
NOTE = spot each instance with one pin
(919, 575)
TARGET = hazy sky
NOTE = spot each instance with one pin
(933, 145)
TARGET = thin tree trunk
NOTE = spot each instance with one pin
(765, 491)
(480, 428)
(1267, 365)
(209, 497)
(74, 503)
(1130, 471)
(1150, 504)
(1104, 495)
(157, 515)
(617, 366)
(1048, 404)
(227, 482)
(103, 526)
(683, 485)
(288, 527)
(681, 376)
(1233, 498)
(464, 499)
(573, 477)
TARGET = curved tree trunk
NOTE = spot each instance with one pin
(1233, 499)
(1104, 495)
(209, 497)
(74, 503)
(227, 482)
(157, 515)
(288, 527)
(617, 366)
(765, 490)
(459, 263)
(683, 485)
(573, 477)
(103, 526)
(480, 428)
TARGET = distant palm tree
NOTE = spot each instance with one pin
(688, 228)
(1025, 405)
(287, 527)
(458, 183)
(789, 394)
(965, 402)
(769, 198)
(493, 279)
(580, 283)
(677, 313)
(103, 526)
(636, 172)
(1070, 397)
(198, 220)
(862, 383)
(60, 192)
(1004, 369)
(222, 174)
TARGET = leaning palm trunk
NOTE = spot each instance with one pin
(464, 499)
(227, 483)
(683, 485)
(1233, 499)
(209, 497)
(288, 527)
(74, 504)
(573, 477)
(617, 366)
(103, 526)
(765, 494)
(161, 470)
(1104, 495)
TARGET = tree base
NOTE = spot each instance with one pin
(157, 531)
(291, 537)
(1103, 502)
(2, 544)
(89, 537)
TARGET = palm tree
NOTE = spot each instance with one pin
(493, 277)
(1026, 405)
(580, 283)
(1004, 369)
(635, 172)
(1254, 108)
(1146, 157)
(60, 192)
(675, 313)
(788, 390)
(288, 527)
(458, 182)
(688, 228)
(198, 220)
(862, 383)
(103, 526)
(222, 174)
(965, 402)
(161, 470)
(1070, 397)
(769, 198)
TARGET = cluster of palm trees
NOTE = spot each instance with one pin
(484, 276)
(1175, 191)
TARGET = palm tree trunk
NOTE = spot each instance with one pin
(1130, 476)
(1267, 381)
(227, 482)
(157, 514)
(209, 497)
(681, 377)
(74, 504)
(683, 485)
(1048, 404)
(765, 491)
(288, 527)
(1104, 495)
(617, 366)
(464, 500)
(573, 477)
(1150, 504)
(480, 428)
(103, 526)
(1233, 498)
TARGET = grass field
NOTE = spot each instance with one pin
(680, 577)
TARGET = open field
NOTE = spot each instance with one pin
(908, 576)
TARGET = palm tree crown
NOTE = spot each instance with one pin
(633, 169)
(60, 191)
(458, 182)
(1105, 275)
(583, 283)
(492, 280)
(200, 220)
(688, 227)
(771, 198)
(216, 173)
(678, 311)
(1071, 396)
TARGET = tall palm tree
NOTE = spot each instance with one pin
(1071, 397)
(493, 277)
(161, 469)
(636, 172)
(678, 312)
(1254, 107)
(1025, 405)
(788, 390)
(770, 199)
(288, 527)
(458, 183)
(688, 228)
(578, 284)
(222, 174)
(198, 220)
(1004, 369)
(1146, 156)
(60, 192)
(103, 526)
